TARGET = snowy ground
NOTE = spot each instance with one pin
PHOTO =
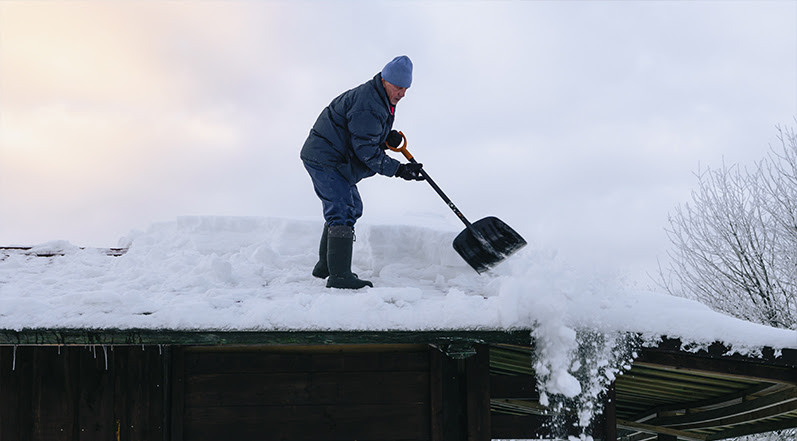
(253, 274)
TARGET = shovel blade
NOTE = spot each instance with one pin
(487, 242)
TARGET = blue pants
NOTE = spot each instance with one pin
(340, 199)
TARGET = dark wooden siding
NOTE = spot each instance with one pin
(70, 393)
(156, 394)
(174, 393)
(345, 394)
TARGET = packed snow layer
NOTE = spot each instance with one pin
(232, 273)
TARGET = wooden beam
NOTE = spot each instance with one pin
(477, 371)
(751, 429)
(177, 393)
(717, 379)
(649, 428)
(703, 405)
(121, 337)
(517, 407)
(765, 407)
(609, 416)
(746, 368)
(452, 400)
(640, 436)
(436, 361)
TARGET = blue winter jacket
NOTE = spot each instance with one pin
(350, 133)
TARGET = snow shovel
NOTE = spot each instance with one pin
(484, 243)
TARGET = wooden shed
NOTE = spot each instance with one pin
(455, 385)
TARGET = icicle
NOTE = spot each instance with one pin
(105, 349)
(14, 359)
(94, 350)
(160, 349)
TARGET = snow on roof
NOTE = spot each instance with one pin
(234, 273)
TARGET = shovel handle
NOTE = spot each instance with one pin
(403, 150)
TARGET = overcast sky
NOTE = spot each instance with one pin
(578, 123)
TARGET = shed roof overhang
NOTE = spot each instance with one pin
(697, 395)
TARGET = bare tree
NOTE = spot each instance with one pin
(781, 180)
(735, 244)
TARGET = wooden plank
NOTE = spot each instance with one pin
(771, 405)
(640, 436)
(735, 368)
(647, 370)
(606, 423)
(167, 399)
(53, 396)
(650, 428)
(751, 429)
(96, 396)
(247, 361)
(517, 407)
(310, 423)
(477, 372)
(750, 393)
(142, 393)
(17, 386)
(436, 404)
(329, 348)
(138, 392)
(11, 405)
(678, 390)
(177, 411)
(306, 388)
(61, 336)
(120, 407)
(454, 399)
(506, 359)
(760, 414)
(25, 371)
(448, 399)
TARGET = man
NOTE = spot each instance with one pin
(346, 145)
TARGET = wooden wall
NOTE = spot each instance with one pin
(174, 393)
(296, 394)
(52, 393)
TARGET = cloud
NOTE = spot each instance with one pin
(579, 123)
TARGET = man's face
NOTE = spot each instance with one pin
(394, 93)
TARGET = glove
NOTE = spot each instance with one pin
(410, 172)
(393, 139)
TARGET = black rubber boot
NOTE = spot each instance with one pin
(321, 270)
(339, 248)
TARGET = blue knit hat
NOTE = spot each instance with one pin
(398, 72)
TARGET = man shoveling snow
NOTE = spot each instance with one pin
(345, 146)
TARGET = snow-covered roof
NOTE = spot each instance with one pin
(253, 274)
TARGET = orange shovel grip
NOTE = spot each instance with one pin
(403, 148)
